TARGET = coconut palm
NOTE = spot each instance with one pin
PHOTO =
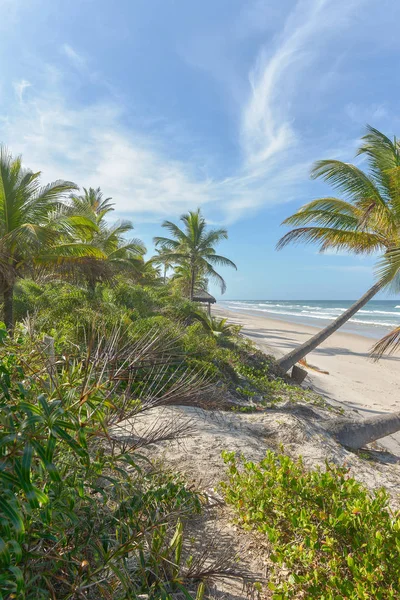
(365, 221)
(194, 246)
(34, 227)
(160, 259)
(116, 252)
(93, 203)
(181, 280)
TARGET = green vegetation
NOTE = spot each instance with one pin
(330, 537)
(83, 513)
(95, 336)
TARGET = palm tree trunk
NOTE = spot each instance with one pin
(192, 282)
(290, 359)
(8, 297)
(91, 283)
(356, 434)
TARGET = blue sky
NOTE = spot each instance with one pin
(224, 104)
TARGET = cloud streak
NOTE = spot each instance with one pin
(90, 145)
(20, 87)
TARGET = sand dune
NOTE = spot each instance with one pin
(353, 380)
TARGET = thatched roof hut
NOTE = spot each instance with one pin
(204, 297)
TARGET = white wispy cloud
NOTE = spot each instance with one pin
(20, 87)
(75, 58)
(267, 123)
(91, 145)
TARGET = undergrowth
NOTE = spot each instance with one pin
(331, 539)
(83, 513)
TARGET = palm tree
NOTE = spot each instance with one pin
(193, 245)
(32, 225)
(117, 253)
(92, 201)
(365, 221)
(181, 280)
(162, 260)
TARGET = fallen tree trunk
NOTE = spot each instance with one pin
(355, 434)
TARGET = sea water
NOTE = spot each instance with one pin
(375, 319)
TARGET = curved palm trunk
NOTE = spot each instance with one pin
(355, 434)
(8, 310)
(290, 359)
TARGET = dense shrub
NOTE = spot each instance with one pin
(333, 537)
(81, 514)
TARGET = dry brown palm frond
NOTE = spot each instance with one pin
(389, 344)
(129, 436)
(128, 377)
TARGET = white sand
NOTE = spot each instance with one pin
(353, 380)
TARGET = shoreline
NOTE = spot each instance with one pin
(371, 331)
(354, 381)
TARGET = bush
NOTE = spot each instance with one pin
(82, 515)
(335, 538)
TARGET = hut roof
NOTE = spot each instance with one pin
(203, 296)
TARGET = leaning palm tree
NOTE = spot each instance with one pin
(193, 246)
(365, 221)
(33, 225)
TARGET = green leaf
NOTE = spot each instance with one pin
(12, 515)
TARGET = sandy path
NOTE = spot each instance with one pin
(354, 380)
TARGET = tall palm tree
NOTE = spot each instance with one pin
(33, 225)
(116, 252)
(193, 245)
(365, 221)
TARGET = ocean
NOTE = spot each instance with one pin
(374, 320)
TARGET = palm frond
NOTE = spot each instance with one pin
(388, 270)
(220, 261)
(210, 272)
(347, 178)
(359, 242)
(389, 344)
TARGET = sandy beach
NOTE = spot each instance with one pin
(353, 380)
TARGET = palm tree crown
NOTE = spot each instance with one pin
(116, 252)
(366, 220)
(33, 223)
(194, 245)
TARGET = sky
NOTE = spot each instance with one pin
(170, 105)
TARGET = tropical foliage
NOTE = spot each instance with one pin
(118, 253)
(82, 513)
(192, 249)
(330, 537)
(35, 227)
(218, 326)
